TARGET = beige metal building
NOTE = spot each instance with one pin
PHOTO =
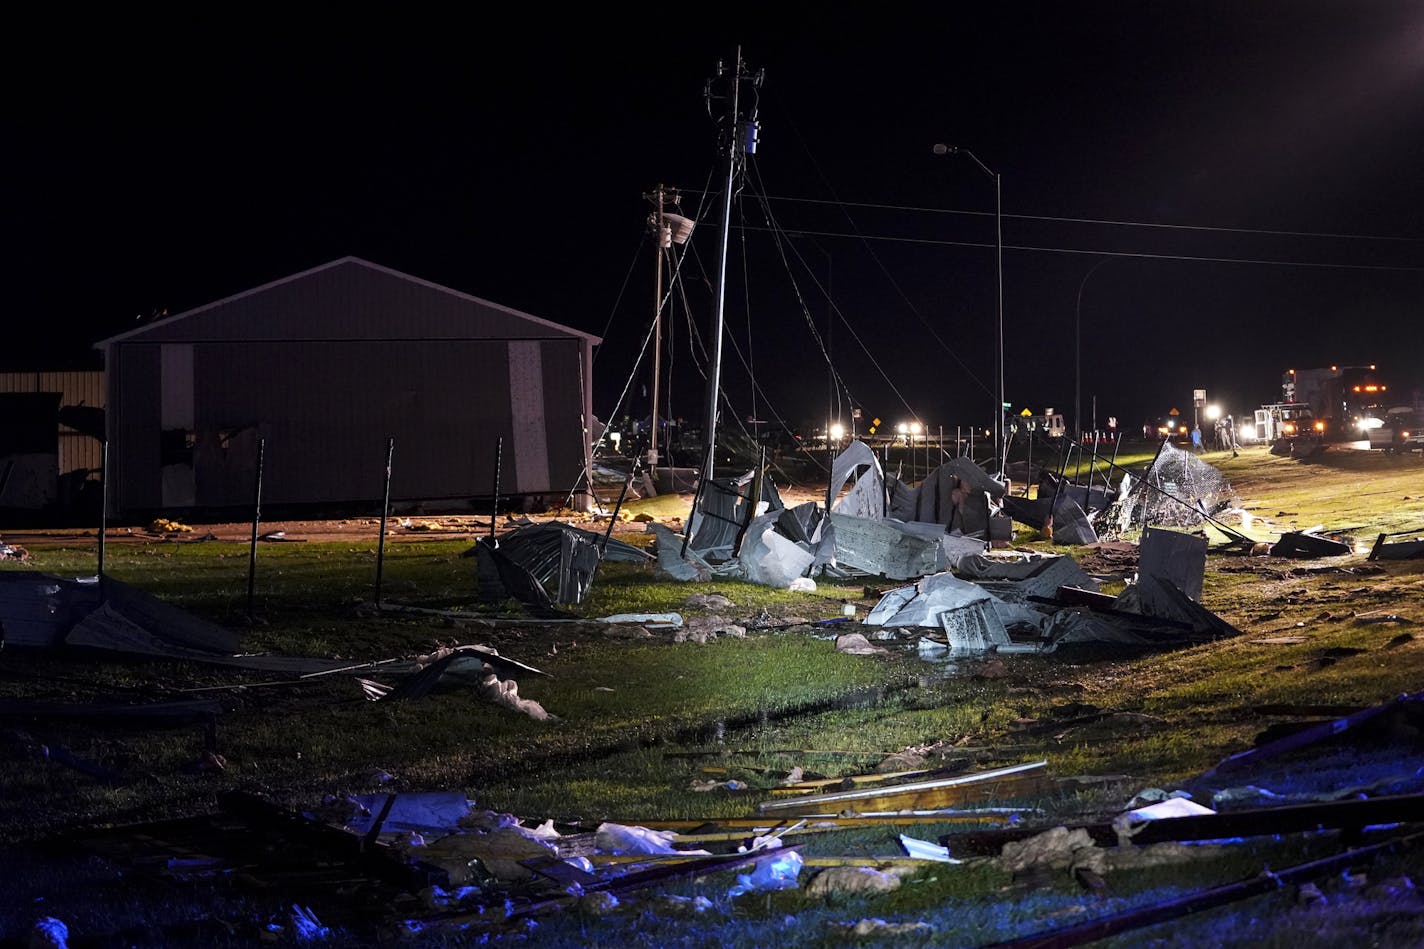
(63, 467)
(323, 367)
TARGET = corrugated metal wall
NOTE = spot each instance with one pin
(77, 451)
(452, 379)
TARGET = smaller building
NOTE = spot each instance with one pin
(51, 432)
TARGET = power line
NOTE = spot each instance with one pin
(861, 235)
(1085, 220)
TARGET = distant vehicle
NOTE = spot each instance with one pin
(1347, 400)
(1290, 428)
(1400, 431)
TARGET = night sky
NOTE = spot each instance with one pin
(1216, 191)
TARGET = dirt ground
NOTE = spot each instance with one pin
(399, 527)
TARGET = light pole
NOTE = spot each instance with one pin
(1000, 449)
(1077, 354)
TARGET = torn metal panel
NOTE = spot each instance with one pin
(866, 497)
(1161, 599)
(955, 548)
(974, 628)
(922, 603)
(724, 507)
(1072, 626)
(1401, 550)
(1173, 556)
(555, 557)
(1070, 524)
(1036, 576)
(889, 604)
(973, 476)
(1306, 544)
(807, 524)
(578, 561)
(883, 547)
(768, 558)
(500, 578)
(673, 562)
(1095, 498)
(37, 609)
(173, 625)
(957, 494)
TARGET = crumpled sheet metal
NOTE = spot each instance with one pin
(553, 556)
(958, 495)
(866, 498)
(885, 547)
(771, 559)
(921, 603)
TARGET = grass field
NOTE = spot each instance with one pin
(640, 718)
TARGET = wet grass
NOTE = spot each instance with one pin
(639, 720)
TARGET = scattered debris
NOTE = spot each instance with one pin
(1399, 550)
(533, 560)
(1310, 544)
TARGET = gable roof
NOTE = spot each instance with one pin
(169, 326)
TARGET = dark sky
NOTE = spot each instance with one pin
(1249, 171)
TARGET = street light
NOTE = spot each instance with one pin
(1000, 450)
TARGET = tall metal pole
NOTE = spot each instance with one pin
(738, 139)
(660, 225)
